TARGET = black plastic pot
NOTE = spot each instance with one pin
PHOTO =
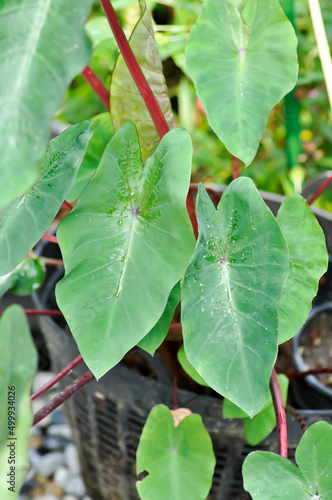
(310, 392)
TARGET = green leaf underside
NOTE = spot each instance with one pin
(180, 460)
(188, 367)
(102, 131)
(258, 428)
(242, 62)
(157, 335)
(268, 476)
(231, 292)
(25, 279)
(24, 221)
(308, 262)
(18, 365)
(43, 47)
(125, 245)
(126, 101)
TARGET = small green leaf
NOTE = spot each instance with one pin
(102, 132)
(156, 336)
(17, 367)
(42, 46)
(120, 246)
(25, 279)
(24, 221)
(270, 477)
(261, 425)
(188, 368)
(126, 101)
(231, 293)
(242, 59)
(180, 460)
(308, 262)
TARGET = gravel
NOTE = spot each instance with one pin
(54, 472)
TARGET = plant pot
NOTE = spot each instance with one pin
(312, 348)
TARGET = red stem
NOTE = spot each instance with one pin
(50, 237)
(312, 371)
(298, 417)
(320, 190)
(57, 377)
(192, 214)
(67, 205)
(279, 409)
(215, 197)
(62, 396)
(135, 69)
(175, 328)
(40, 312)
(97, 86)
(235, 165)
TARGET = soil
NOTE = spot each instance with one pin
(316, 345)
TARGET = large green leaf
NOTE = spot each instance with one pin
(308, 261)
(179, 460)
(126, 101)
(157, 335)
(17, 367)
(42, 46)
(102, 131)
(268, 476)
(125, 245)
(242, 58)
(231, 293)
(258, 428)
(24, 221)
(25, 279)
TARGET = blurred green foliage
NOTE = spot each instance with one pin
(273, 168)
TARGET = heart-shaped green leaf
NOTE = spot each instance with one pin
(24, 221)
(180, 460)
(268, 476)
(125, 245)
(25, 279)
(258, 428)
(156, 336)
(242, 59)
(42, 46)
(308, 262)
(126, 102)
(231, 293)
(17, 367)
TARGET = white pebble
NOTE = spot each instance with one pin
(34, 458)
(71, 459)
(49, 463)
(61, 476)
(75, 486)
(62, 430)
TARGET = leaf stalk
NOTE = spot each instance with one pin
(279, 409)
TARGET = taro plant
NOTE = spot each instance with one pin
(128, 239)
